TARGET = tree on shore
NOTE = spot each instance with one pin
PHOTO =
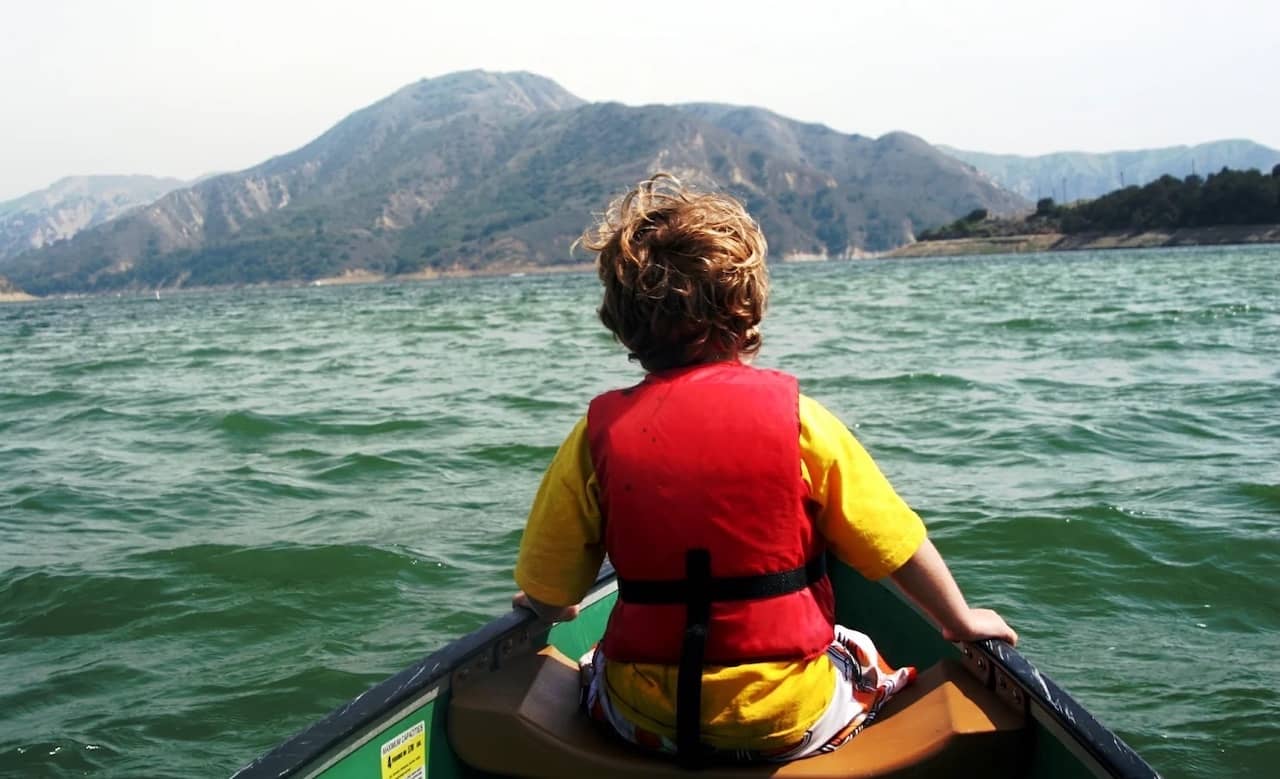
(1228, 197)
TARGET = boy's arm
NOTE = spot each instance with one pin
(927, 581)
(872, 529)
(561, 549)
(545, 611)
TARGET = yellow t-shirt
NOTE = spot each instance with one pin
(760, 705)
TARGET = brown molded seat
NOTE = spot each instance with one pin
(524, 721)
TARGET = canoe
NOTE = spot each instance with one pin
(503, 701)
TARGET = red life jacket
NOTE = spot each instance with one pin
(707, 457)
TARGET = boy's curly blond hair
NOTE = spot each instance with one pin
(684, 274)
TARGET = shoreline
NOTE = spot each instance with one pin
(362, 276)
(1224, 235)
(350, 277)
(955, 247)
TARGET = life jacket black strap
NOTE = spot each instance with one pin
(725, 588)
(696, 592)
(697, 564)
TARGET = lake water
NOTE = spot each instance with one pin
(222, 514)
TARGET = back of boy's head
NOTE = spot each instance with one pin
(684, 274)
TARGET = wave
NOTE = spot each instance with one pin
(94, 414)
(511, 455)
(252, 424)
(209, 352)
(1263, 496)
(305, 454)
(58, 503)
(327, 568)
(91, 367)
(272, 487)
(357, 466)
(1025, 324)
(901, 381)
(44, 603)
(1130, 321)
(26, 401)
(63, 757)
(530, 403)
(443, 327)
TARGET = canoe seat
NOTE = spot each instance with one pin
(523, 720)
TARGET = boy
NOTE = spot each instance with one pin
(715, 489)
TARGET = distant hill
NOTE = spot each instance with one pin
(478, 169)
(1087, 175)
(73, 204)
(863, 193)
(10, 293)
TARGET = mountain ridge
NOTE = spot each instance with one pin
(1085, 175)
(479, 169)
(73, 204)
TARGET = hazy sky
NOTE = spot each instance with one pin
(181, 88)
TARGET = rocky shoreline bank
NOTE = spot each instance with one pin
(11, 294)
(1059, 242)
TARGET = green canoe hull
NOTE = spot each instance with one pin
(397, 729)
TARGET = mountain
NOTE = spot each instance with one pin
(870, 194)
(479, 169)
(9, 293)
(1085, 175)
(71, 205)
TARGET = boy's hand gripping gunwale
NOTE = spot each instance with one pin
(545, 611)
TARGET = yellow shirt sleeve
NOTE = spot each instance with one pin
(562, 548)
(867, 524)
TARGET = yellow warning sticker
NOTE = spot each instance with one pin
(405, 756)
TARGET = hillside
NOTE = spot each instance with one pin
(71, 205)
(1087, 175)
(477, 169)
(9, 293)
(891, 187)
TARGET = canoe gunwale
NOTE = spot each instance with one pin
(340, 729)
(1105, 753)
(1002, 668)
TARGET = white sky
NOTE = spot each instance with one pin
(180, 88)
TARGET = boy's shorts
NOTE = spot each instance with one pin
(864, 683)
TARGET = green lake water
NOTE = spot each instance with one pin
(222, 514)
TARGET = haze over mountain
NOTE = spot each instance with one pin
(1085, 175)
(71, 205)
(478, 169)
